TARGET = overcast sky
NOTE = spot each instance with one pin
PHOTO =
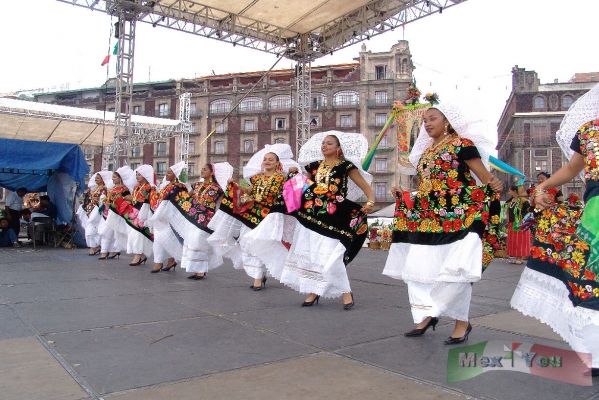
(466, 53)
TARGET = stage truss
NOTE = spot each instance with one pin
(300, 31)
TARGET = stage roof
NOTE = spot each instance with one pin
(274, 26)
(28, 120)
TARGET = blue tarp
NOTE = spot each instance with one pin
(30, 164)
(56, 168)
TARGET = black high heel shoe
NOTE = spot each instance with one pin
(311, 303)
(349, 306)
(94, 253)
(262, 285)
(141, 261)
(168, 268)
(420, 331)
(451, 340)
(103, 257)
(115, 255)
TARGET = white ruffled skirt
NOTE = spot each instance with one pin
(440, 277)
(227, 239)
(108, 242)
(167, 242)
(90, 225)
(546, 298)
(119, 226)
(314, 264)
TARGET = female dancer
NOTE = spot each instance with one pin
(139, 238)
(167, 246)
(89, 213)
(111, 242)
(243, 209)
(437, 248)
(331, 228)
(560, 284)
(518, 241)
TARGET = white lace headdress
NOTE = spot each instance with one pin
(127, 176)
(223, 171)
(354, 147)
(585, 109)
(106, 177)
(474, 130)
(282, 150)
(147, 171)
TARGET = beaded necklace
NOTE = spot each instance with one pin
(323, 174)
(262, 187)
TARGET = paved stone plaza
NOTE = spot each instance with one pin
(73, 327)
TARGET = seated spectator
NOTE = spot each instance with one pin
(8, 237)
(46, 207)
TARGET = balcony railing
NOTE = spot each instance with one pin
(374, 103)
(374, 76)
(346, 104)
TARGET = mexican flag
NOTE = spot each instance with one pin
(535, 359)
(114, 53)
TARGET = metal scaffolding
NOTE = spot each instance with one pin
(303, 32)
(185, 126)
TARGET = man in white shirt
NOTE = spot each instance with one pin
(14, 207)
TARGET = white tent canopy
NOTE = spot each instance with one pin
(28, 120)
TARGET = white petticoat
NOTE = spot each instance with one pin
(90, 225)
(460, 261)
(264, 241)
(137, 243)
(196, 255)
(546, 298)
(119, 226)
(314, 264)
(166, 243)
(450, 299)
(108, 243)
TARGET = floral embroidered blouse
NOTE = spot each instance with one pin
(117, 192)
(266, 195)
(200, 205)
(142, 194)
(91, 197)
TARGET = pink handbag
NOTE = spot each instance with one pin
(292, 192)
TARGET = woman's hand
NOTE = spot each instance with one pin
(396, 189)
(542, 199)
(293, 170)
(128, 198)
(495, 184)
(368, 207)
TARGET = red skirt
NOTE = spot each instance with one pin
(518, 243)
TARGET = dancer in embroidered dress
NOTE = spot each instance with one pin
(136, 213)
(167, 245)
(189, 214)
(118, 202)
(242, 209)
(560, 284)
(444, 237)
(89, 212)
(518, 240)
(331, 227)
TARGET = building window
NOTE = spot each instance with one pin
(540, 153)
(161, 149)
(541, 166)
(137, 110)
(192, 147)
(380, 72)
(380, 97)
(248, 146)
(380, 119)
(346, 121)
(160, 168)
(163, 110)
(135, 152)
(319, 101)
(221, 127)
(346, 98)
(249, 125)
(251, 104)
(281, 102)
(220, 106)
(567, 101)
(280, 140)
(383, 143)
(315, 122)
(193, 110)
(539, 103)
(111, 109)
(280, 124)
(380, 191)
(219, 147)
(191, 169)
(380, 165)
(134, 165)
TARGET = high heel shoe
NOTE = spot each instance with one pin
(451, 340)
(311, 303)
(420, 331)
(155, 271)
(103, 257)
(169, 267)
(139, 262)
(115, 255)
(262, 285)
(349, 306)
(94, 253)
